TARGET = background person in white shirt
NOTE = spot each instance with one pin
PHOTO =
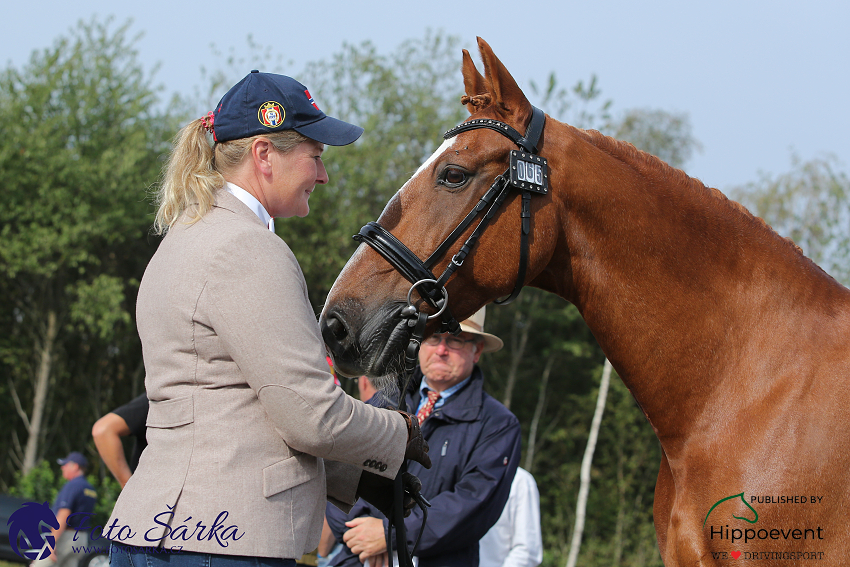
(515, 540)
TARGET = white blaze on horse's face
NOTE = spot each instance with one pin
(443, 147)
(363, 247)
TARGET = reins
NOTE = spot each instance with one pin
(528, 172)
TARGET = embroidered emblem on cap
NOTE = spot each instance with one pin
(271, 114)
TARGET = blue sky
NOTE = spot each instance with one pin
(759, 80)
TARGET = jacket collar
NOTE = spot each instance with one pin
(225, 200)
(462, 406)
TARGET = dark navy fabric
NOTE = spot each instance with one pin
(78, 496)
(475, 448)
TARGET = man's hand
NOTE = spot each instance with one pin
(380, 560)
(366, 538)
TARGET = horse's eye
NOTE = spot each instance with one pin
(453, 177)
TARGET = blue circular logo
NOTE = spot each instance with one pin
(30, 530)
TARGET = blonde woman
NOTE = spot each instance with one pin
(247, 434)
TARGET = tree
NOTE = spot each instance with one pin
(81, 144)
(809, 205)
(587, 462)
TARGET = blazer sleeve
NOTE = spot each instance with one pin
(258, 305)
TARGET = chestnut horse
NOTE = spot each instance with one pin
(734, 344)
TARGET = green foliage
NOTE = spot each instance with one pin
(98, 305)
(81, 145)
(809, 205)
(42, 484)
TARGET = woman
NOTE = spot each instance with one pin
(243, 411)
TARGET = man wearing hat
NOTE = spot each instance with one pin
(77, 496)
(475, 449)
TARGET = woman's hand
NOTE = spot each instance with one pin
(417, 447)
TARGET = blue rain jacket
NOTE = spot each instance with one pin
(474, 446)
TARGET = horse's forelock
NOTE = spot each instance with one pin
(479, 101)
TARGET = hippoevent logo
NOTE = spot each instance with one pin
(30, 531)
(743, 529)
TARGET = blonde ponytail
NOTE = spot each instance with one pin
(190, 177)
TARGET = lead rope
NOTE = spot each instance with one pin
(417, 320)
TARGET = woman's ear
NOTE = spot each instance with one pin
(261, 155)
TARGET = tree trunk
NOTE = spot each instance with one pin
(538, 413)
(586, 461)
(40, 395)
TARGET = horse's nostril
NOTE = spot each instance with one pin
(336, 328)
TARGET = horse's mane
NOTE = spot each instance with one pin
(650, 165)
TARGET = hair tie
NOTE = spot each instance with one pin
(208, 121)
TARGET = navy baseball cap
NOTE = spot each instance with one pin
(74, 457)
(263, 103)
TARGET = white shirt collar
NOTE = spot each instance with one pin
(252, 203)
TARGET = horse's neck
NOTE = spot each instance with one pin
(671, 277)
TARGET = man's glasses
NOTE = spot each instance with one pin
(452, 341)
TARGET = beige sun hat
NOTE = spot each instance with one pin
(475, 326)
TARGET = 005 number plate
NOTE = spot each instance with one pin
(529, 172)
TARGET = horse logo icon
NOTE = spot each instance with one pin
(31, 525)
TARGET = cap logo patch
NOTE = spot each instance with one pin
(313, 102)
(271, 114)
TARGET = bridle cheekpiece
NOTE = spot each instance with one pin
(527, 171)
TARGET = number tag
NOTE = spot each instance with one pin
(529, 172)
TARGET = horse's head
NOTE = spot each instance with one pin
(361, 322)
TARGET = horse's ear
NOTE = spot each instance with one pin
(509, 100)
(473, 81)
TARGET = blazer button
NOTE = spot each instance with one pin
(383, 468)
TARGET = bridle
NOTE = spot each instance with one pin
(527, 172)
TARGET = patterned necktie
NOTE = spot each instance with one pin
(423, 414)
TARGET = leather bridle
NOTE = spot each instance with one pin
(527, 172)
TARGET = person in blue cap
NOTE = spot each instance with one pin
(74, 503)
(248, 437)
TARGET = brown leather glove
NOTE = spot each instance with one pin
(378, 491)
(417, 447)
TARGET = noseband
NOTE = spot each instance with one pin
(527, 172)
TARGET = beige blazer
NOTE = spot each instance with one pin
(247, 433)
